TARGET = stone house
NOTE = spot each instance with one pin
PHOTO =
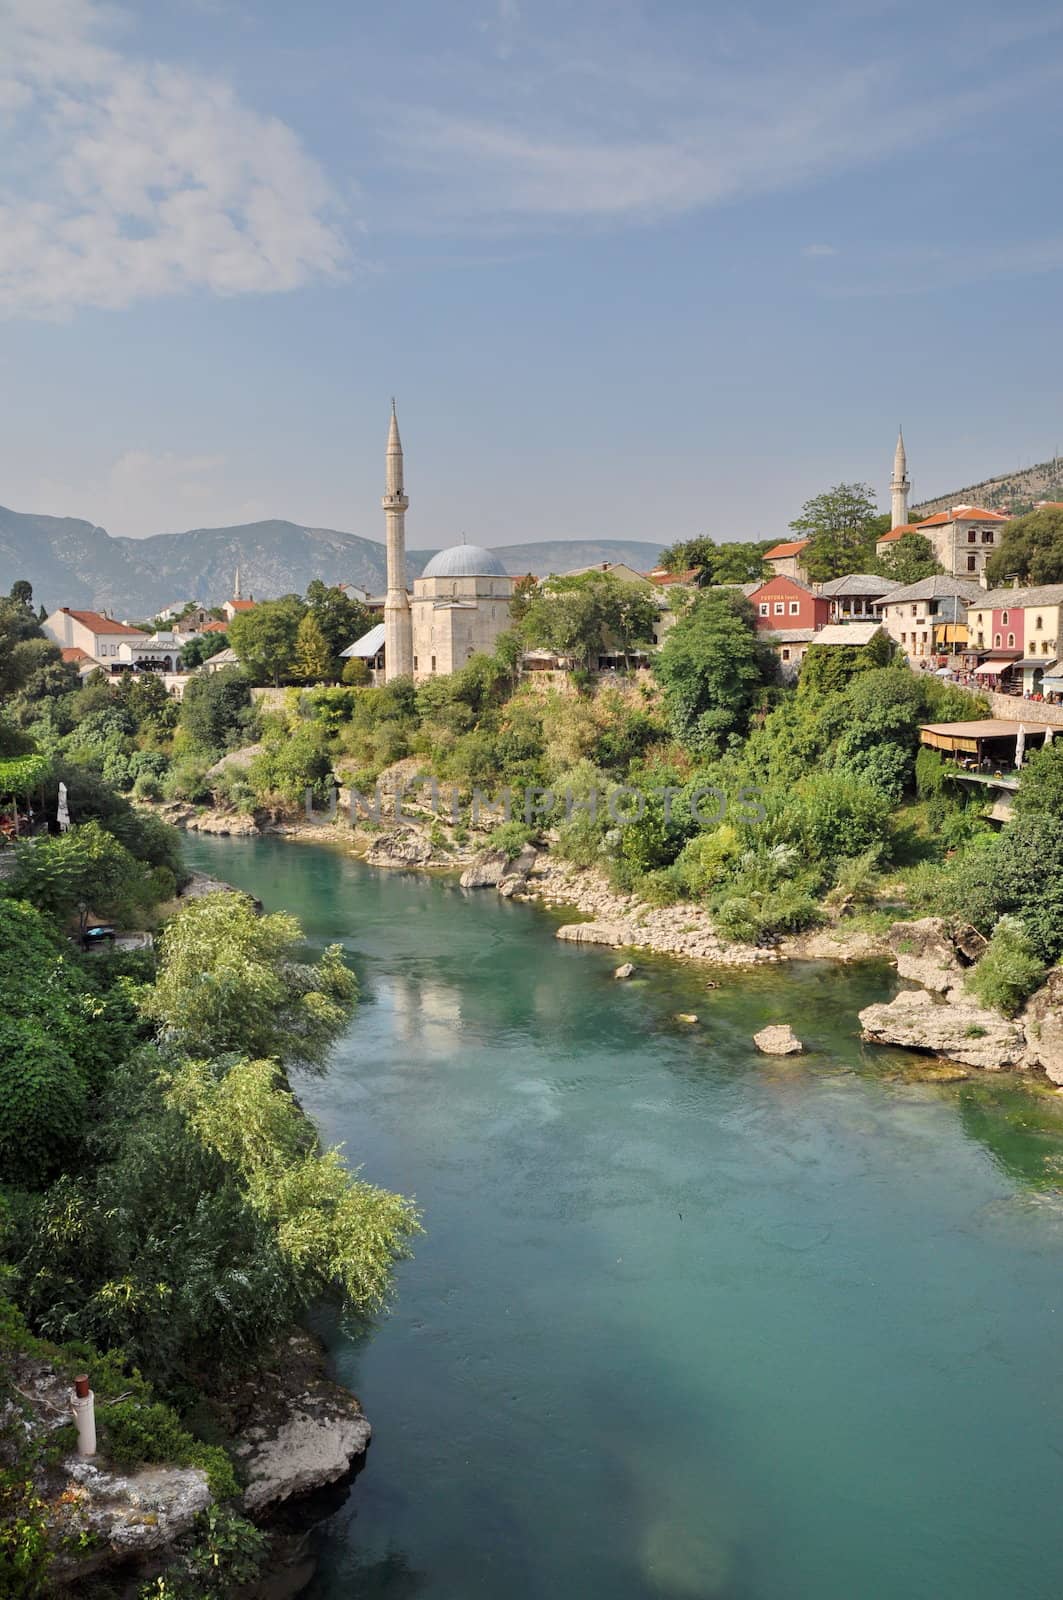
(963, 538)
(916, 615)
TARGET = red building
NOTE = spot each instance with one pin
(788, 603)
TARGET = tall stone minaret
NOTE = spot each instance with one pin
(398, 623)
(236, 584)
(899, 486)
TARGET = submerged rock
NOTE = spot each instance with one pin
(612, 933)
(958, 1030)
(401, 847)
(627, 970)
(778, 1040)
(487, 871)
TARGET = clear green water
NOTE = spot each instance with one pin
(686, 1322)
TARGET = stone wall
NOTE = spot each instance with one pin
(1014, 708)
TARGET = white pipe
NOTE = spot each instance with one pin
(85, 1416)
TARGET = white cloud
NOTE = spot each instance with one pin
(127, 179)
(817, 252)
(145, 492)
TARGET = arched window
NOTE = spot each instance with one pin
(996, 641)
(1011, 641)
(1004, 618)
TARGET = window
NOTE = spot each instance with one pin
(433, 663)
(415, 663)
(795, 608)
(915, 611)
(764, 608)
(987, 536)
(1004, 618)
(996, 642)
(904, 638)
(972, 537)
(972, 563)
(1038, 623)
(1011, 641)
(785, 652)
(780, 608)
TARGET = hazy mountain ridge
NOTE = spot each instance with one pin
(1012, 491)
(73, 562)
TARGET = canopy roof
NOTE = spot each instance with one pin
(367, 646)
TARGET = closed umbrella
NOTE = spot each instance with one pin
(62, 815)
(1020, 744)
(1049, 736)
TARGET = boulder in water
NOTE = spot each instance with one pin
(778, 1040)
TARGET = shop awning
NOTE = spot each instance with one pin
(1052, 685)
(952, 633)
(1031, 663)
(993, 669)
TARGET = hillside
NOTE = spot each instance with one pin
(1012, 491)
(72, 562)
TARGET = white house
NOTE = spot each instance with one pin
(99, 635)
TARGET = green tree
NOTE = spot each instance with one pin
(733, 562)
(842, 525)
(200, 648)
(1031, 549)
(1009, 970)
(341, 618)
(265, 638)
(217, 711)
(313, 658)
(827, 667)
(230, 980)
(712, 668)
(22, 593)
(908, 559)
(1041, 788)
(580, 617)
(85, 868)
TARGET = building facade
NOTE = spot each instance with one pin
(99, 635)
(460, 606)
(785, 559)
(916, 615)
(963, 539)
(855, 597)
(787, 603)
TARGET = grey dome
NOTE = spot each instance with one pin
(464, 561)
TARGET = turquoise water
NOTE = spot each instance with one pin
(686, 1321)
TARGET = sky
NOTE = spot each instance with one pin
(632, 270)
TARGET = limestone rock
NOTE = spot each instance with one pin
(778, 1040)
(302, 1431)
(127, 1514)
(513, 883)
(925, 953)
(400, 847)
(959, 1030)
(627, 970)
(612, 933)
(487, 871)
(688, 1017)
(1042, 1023)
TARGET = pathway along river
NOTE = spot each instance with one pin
(687, 1321)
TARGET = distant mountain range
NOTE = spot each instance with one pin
(1012, 491)
(72, 563)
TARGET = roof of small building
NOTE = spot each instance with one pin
(987, 728)
(790, 636)
(367, 646)
(1046, 594)
(962, 514)
(790, 547)
(661, 576)
(941, 587)
(777, 578)
(74, 653)
(858, 583)
(214, 627)
(848, 633)
(897, 533)
(96, 622)
(464, 561)
(241, 605)
(226, 657)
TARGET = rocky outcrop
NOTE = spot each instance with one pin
(200, 883)
(610, 933)
(778, 1040)
(487, 871)
(122, 1516)
(1042, 1023)
(401, 847)
(235, 824)
(925, 952)
(958, 1030)
(300, 1430)
(626, 970)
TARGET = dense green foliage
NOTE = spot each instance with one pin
(842, 525)
(580, 617)
(908, 559)
(713, 668)
(1009, 971)
(1030, 549)
(733, 562)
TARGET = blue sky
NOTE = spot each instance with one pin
(632, 270)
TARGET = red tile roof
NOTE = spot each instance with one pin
(214, 627)
(74, 652)
(961, 514)
(241, 605)
(898, 533)
(792, 547)
(97, 623)
(660, 576)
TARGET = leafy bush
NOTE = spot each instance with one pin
(1009, 970)
(133, 1434)
(42, 1103)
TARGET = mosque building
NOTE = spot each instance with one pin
(459, 605)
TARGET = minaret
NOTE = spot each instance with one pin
(398, 623)
(899, 486)
(236, 584)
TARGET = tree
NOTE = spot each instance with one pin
(579, 617)
(232, 981)
(22, 593)
(217, 709)
(74, 871)
(712, 668)
(733, 562)
(200, 648)
(341, 618)
(827, 667)
(524, 591)
(842, 525)
(1041, 788)
(265, 638)
(1031, 550)
(908, 559)
(313, 658)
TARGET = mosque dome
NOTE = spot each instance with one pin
(464, 561)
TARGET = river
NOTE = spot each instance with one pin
(687, 1323)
